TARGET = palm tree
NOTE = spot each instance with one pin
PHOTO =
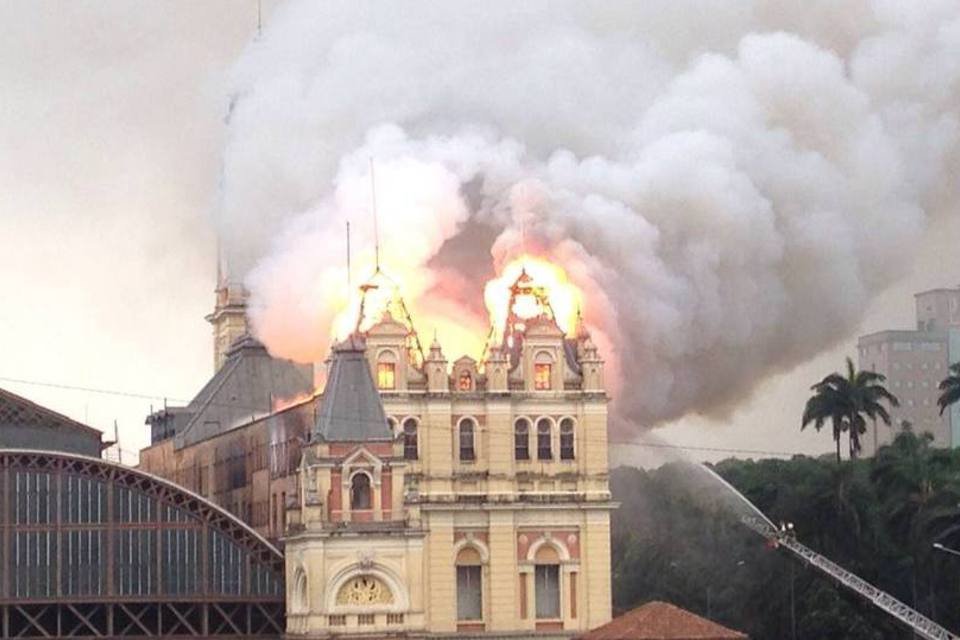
(845, 400)
(950, 387)
(827, 403)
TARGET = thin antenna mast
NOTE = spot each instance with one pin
(259, 18)
(376, 229)
(349, 285)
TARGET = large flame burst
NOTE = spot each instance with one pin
(536, 287)
(367, 305)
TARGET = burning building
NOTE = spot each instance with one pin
(424, 496)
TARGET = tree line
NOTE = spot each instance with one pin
(879, 517)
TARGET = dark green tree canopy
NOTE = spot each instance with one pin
(950, 388)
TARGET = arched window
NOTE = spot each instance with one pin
(360, 491)
(547, 583)
(542, 371)
(387, 371)
(465, 381)
(544, 444)
(467, 429)
(469, 585)
(521, 439)
(410, 451)
(567, 434)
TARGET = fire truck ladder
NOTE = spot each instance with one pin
(922, 625)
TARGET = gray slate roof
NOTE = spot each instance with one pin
(244, 388)
(28, 425)
(351, 409)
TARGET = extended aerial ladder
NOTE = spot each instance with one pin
(785, 537)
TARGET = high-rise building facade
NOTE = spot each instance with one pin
(914, 362)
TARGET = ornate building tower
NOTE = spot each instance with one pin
(455, 500)
(229, 318)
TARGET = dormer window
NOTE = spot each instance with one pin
(541, 376)
(386, 371)
(543, 371)
(465, 381)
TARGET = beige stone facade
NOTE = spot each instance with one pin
(914, 362)
(486, 510)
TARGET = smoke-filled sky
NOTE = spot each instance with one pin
(739, 188)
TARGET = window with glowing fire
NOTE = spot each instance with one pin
(386, 375)
(541, 376)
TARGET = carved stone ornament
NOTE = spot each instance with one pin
(365, 559)
(364, 590)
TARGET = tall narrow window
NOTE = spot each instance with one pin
(467, 451)
(469, 585)
(386, 375)
(544, 445)
(547, 578)
(566, 439)
(541, 376)
(360, 491)
(521, 439)
(410, 439)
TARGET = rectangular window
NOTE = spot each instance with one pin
(469, 593)
(541, 377)
(521, 448)
(386, 375)
(547, 577)
(467, 451)
(544, 446)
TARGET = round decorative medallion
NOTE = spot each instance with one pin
(364, 590)
(572, 538)
(523, 538)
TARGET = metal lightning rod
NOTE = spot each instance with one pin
(376, 230)
(349, 283)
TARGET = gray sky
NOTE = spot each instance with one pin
(111, 128)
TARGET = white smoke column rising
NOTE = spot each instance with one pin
(728, 184)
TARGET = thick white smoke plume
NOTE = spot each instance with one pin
(728, 182)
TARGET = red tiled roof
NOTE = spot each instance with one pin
(661, 621)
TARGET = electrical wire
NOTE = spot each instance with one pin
(620, 443)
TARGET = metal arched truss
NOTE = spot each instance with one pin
(93, 549)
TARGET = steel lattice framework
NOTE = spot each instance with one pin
(916, 621)
(93, 549)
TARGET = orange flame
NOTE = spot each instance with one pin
(563, 296)
(460, 335)
(366, 306)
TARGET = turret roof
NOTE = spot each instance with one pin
(351, 410)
